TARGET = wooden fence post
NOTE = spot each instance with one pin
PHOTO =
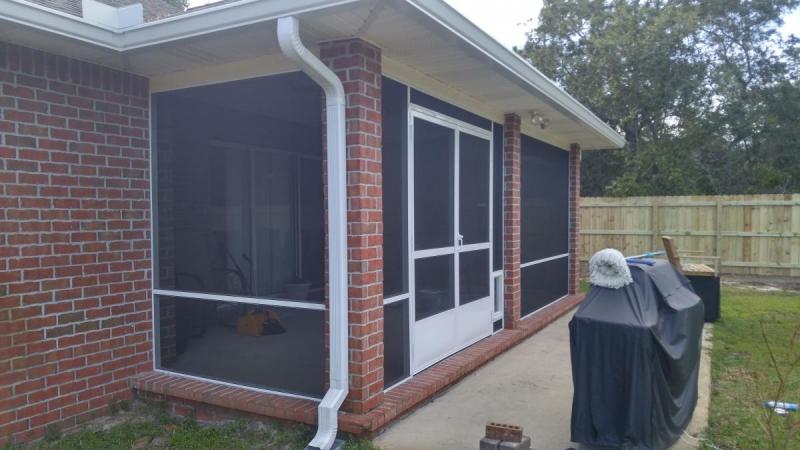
(718, 231)
(655, 224)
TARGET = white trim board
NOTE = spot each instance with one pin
(543, 260)
(241, 299)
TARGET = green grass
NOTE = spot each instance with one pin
(148, 426)
(742, 376)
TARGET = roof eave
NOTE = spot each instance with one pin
(245, 12)
(515, 64)
(60, 23)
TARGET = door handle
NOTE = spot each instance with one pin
(460, 240)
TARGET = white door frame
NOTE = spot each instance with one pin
(474, 307)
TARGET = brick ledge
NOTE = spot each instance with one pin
(398, 401)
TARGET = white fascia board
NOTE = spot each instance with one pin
(208, 20)
(57, 22)
(451, 19)
(218, 18)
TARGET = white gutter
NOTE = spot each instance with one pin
(292, 47)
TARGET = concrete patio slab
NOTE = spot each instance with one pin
(531, 386)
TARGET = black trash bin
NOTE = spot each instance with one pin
(708, 289)
(635, 360)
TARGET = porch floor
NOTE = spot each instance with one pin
(530, 385)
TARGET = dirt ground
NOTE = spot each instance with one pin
(763, 284)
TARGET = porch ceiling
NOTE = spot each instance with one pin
(426, 38)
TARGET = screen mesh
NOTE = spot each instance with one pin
(543, 284)
(544, 200)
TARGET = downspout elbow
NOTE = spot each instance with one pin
(293, 48)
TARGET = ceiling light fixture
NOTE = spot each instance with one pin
(538, 120)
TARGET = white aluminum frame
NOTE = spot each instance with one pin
(419, 112)
(395, 299)
(242, 299)
(543, 260)
(498, 294)
(550, 258)
(156, 292)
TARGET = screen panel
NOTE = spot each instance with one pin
(239, 198)
(396, 356)
(281, 349)
(544, 200)
(434, 150)
(474, 190)
(497, 325)
(543, 284)
(434, 104)
(474, 282)
(394, 168)
(497, 192)
(312, 221)
(434, 285)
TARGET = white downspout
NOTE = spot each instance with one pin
(292, 47)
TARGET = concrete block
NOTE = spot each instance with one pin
(524, 444)
(489, 444)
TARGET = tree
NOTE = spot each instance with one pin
(703, 91)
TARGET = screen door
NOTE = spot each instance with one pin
(450, 246)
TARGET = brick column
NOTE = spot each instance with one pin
(512, 290)
(358, 65)
(574, 217)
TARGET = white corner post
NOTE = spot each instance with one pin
(293, 48)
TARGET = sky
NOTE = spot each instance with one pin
(509, 24)
(509, 20)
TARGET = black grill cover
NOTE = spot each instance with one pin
(635, 360)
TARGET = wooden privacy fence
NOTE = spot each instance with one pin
(752, 234)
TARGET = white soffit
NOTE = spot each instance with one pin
(425, 42)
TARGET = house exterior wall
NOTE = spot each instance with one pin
(75, 309)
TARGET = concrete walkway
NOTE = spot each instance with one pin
(530, 385)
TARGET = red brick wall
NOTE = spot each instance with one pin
(358, 65)
(512, 240)
(75, 306)
(574, 217)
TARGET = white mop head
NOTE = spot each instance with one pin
(608, 268)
